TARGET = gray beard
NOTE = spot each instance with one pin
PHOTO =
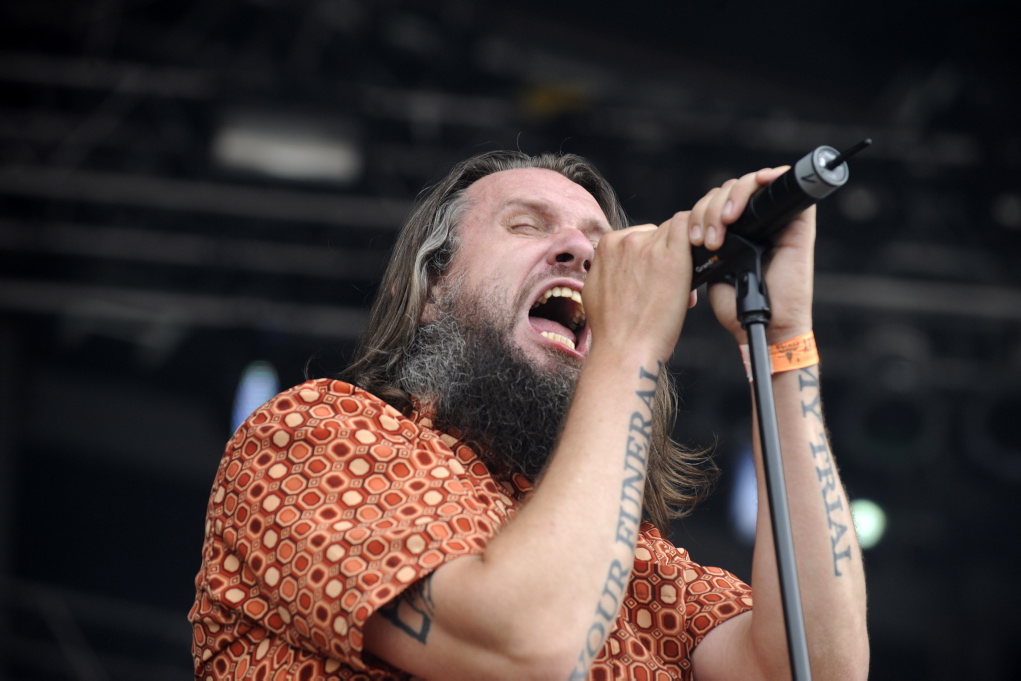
(466, 371)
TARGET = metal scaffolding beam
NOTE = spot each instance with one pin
(203, 197)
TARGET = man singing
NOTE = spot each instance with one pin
(485, 493)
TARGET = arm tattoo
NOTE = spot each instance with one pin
(629, 515)
(807, 379)
(832, 498)
(413, 610)
(606, 613)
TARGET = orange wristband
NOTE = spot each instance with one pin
(788, 355)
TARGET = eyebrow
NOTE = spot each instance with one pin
(547, 209)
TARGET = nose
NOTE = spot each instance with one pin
(573, 248)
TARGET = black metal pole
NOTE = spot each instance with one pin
(779, 511)
(754, 313)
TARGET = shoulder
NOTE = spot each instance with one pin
(321, 416)
(339, 420)
(331, 396)
(653, 547)
(701, 585)
(324, 403)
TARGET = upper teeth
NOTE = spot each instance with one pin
(559, 292)
(564, 292)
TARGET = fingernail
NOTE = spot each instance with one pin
(710, 236)
(727, 209)
(696, 232)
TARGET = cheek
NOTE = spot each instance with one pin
(475, 268)
(504, 270)
(502, 277)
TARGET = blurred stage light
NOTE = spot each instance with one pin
(288, 147)
(551, 100)
(869, 522)
(258, 384)
(744, 498)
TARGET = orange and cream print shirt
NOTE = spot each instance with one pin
(329, 502)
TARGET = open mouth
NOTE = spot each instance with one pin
(559, 315)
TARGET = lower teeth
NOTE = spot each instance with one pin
(557, 338)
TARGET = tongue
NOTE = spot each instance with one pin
(541, 324)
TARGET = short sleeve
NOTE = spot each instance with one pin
(670, 605)
(328, 504)
(709, 595)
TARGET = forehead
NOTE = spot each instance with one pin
(536, 189)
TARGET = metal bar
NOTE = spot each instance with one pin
(203, 197)
(161, 307)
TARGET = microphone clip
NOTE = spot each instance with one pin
(745, 274)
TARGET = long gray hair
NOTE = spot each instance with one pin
(677, 478)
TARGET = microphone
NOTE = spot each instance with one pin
(817, 175)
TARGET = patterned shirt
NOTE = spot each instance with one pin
(329, 502)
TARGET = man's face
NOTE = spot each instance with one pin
(527, 238)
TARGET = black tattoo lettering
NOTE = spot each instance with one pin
(832, 501)
(413, 611)
(808, 379)
(812, 408)
(636, 457)
(818, 449)
(606, 612)
(633, 486)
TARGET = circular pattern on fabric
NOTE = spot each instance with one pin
(328, 503)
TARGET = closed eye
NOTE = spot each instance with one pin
(528, 228)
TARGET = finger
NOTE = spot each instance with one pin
(692, 299)
(736, 200)
(714, 229)
(696, 222)
(767, 175)
(609, 239)
(745, 187)
(614, 243)
(635, 228)
(676, 229)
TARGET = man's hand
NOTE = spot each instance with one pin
(790, 265)
(633, 294)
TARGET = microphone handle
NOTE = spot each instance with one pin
(772, 207)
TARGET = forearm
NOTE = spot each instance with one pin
(828, 557)
(591, 499)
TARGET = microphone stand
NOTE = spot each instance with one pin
(754, 313)
(739, 262)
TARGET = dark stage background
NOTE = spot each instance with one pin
(189, 186)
